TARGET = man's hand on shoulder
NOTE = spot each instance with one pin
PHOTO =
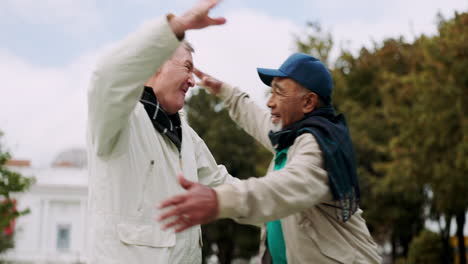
(195, 18)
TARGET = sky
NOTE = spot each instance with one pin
(48, 49)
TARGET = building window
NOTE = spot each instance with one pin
(63, 237)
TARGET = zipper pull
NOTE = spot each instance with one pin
(180, 161)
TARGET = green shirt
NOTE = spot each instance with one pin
(275, 238)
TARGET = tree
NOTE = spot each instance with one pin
(316, 42)
(426, 248)
(418, 92)
(243, 158)
(10, 183)
(435, 116)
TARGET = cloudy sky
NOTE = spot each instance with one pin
(48, 49)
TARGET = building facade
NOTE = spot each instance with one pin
(54, 232)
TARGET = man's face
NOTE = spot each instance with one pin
(173, 80)
(286, 102)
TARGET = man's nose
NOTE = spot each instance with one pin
(270, 102)
(191, 80)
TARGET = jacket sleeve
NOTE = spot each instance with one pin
(247, 114)
(118, 81)
(301, 184)
(209, 172)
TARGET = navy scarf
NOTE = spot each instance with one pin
(332, 135)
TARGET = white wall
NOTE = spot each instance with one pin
(52, 205)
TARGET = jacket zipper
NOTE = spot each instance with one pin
(145, 183)
(200, 236)
(180, 162)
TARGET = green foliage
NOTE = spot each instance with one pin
(10, 182)
(392, 202)
(426, 248)
(316, 42)
(243, 158)
(432, 147)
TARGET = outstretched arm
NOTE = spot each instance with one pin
(117, 82)
(244, 111)
(301, 184)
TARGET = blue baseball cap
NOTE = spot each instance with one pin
(304, 69)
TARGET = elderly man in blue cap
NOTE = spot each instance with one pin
(309, 198)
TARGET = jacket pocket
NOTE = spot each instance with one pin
(329, 242)
(144, 234)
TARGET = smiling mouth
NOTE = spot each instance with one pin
(275, 118)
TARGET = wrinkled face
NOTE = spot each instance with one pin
(286, 102)
(172, 81)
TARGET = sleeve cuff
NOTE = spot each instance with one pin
(168, 19)
(227, 201)
(226, 91)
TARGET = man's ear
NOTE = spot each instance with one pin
(310, 102)
(150, 81)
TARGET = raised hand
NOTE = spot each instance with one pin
(209, 83)
(199, 205)
(196, 18)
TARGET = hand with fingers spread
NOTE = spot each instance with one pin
(196, 18)
(199, 205)
(208, 82)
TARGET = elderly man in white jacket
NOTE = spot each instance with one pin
(138, 144)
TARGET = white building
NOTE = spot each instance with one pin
(55, 229)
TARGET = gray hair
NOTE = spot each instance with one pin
(305, 91)
(188, 46)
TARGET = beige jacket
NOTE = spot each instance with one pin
(132, 167)
(293, 194)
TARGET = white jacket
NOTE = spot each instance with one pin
(132, 166)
